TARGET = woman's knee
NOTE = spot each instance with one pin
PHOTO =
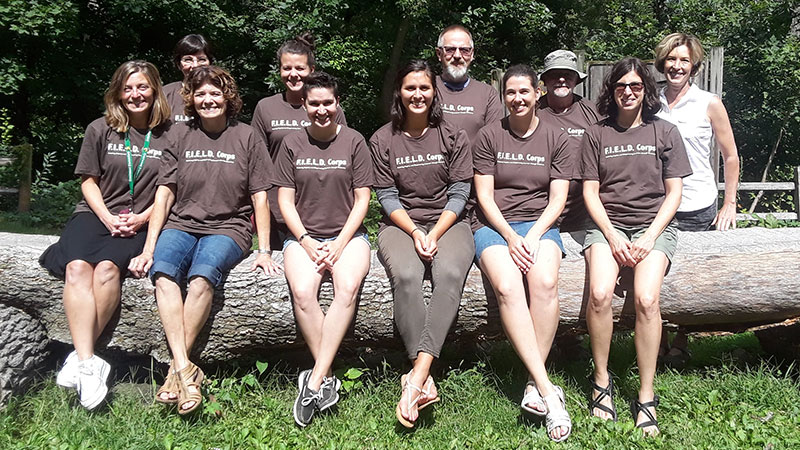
(600, 298)
(508, 291)
(78, 273)
(304, 297)
(106, 272)
(199, 286)
(647, 305)
(346, 288)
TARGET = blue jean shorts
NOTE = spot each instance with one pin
(290, 238)
(180, 256)
(486, 237)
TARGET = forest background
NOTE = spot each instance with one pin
(57, 56)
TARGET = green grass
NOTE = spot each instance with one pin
(729, 397)
(14, 223)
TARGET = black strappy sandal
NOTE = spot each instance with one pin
(637, 407)
(607, 391)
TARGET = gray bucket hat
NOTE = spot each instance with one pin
(563, 59)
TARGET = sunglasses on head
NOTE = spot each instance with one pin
(450, 51)
(636, 86)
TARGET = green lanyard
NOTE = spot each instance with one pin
(133, 175)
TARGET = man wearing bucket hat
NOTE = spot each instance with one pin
(573, 114)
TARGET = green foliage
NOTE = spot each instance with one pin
(57, 56)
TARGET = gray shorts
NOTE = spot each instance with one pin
(666, 243)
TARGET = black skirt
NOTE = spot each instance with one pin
(86, 238)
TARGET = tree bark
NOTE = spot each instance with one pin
(718, 280)
(385, 100)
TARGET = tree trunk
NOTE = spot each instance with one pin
(394, 62)
(718, 280)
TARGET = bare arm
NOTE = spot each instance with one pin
(620, 248)
(354, 220)
(165, 198)
(518, 248)
(642, 247)
(94, 198)
(264, 257)
(723, 134)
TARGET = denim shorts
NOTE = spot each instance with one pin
(486, 237)
(290, 238)
(180, 255)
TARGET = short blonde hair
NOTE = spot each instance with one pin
(675, 40)
(116, 114)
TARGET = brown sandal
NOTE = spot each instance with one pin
(170, 386)
(189, 376)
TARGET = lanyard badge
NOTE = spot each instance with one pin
(133, 175)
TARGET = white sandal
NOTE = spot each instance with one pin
(557, 415)
(533, 397)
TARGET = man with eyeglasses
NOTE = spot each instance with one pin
(466, 102)
(573, 114)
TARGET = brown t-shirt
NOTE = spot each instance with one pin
(214, 176)
(631, 166)
(172, 92)
(522, 168)
(103, 155)
(472, 108)
(324, 175)
(421, 168)
(273, 120)
(574, 122)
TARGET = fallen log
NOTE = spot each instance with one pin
(729, 280)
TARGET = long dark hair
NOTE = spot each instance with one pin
(398, 111)
(607, 106)
(302, 44)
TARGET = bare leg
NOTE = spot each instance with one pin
(543, 294)
(106, 289)
(170, 309)
(79, 306)
(603, 271)
(348, 273)
(506, 280)
(199, 295)
(304, 281)
(648, 278)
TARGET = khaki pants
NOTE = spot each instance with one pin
(424, 329)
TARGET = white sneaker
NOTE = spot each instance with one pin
(68, 375)
(92, 381)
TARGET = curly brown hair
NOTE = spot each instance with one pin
(219, 78)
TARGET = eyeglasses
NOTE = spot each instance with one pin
(636, 87)
(192, 60)
(450, 51)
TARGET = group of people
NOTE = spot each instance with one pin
(458, 180)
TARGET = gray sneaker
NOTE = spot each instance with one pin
(92, 381)
(329, 392)
(307, 401)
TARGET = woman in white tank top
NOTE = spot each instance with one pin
(699, 116)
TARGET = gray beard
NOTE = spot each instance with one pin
(453, 74)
